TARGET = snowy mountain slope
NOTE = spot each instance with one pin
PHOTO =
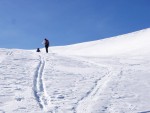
(16, 81)
(70, 79)
(127, 43)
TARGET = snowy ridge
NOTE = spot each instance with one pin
(104, 76)
(123, 44)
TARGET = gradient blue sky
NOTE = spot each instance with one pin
(25, 23)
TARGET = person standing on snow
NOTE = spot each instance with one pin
(46, 43)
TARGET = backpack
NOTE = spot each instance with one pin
(38, 50)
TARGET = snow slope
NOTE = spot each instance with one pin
(105, 76)
(128, 43)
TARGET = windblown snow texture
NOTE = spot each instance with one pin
(103, 76)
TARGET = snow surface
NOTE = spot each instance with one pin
(104, 76)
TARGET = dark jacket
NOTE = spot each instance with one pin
(46, 43)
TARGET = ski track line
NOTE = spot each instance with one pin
(97, 89)
(100, 85)
(39, 87)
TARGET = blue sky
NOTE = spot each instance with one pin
(25, 23)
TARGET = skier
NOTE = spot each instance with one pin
(46, 43)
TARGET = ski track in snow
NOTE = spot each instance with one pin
(96, 90)
(39, 87)
(83, 105)
(9, 53)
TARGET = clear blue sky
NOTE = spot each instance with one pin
(25, 23)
